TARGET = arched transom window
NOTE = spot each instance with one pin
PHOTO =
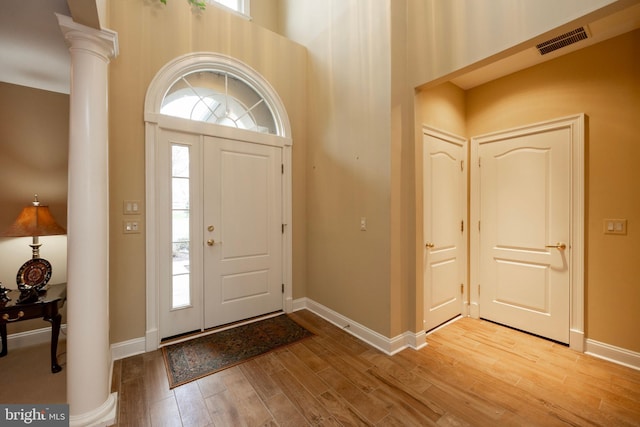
(220, 97)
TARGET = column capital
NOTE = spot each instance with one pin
(77, 36)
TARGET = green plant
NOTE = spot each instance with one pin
(200, 4)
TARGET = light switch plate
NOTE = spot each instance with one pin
(615, 226)
(131, 207)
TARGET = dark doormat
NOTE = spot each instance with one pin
(189, 360)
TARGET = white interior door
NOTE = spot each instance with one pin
(525, 228)
(445, 210)
(242, 230)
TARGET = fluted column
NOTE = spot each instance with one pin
(88, 352)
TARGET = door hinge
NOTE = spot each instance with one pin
(462, 288)
(478, 289)
(461, 165)
(462, 226)
(479, 162)
(478, 225)
(283, 288)
(283, 228)
(282, 167)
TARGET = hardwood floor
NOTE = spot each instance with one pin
(472, 373)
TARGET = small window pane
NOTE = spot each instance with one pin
(180, 161)
(180, 227)
(181, 291)
(218, 97)
(180, 189)
(237, 5)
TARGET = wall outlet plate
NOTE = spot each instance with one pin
(131, 227)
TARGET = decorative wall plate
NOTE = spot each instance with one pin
(36, 273)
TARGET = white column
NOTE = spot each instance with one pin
(88, 351)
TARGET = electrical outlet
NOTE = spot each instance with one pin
(131, 227)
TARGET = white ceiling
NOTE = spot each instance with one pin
(32, 49)
(33, 52)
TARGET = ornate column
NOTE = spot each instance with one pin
(88, 350)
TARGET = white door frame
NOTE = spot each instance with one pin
(154, 121)
(576, 126)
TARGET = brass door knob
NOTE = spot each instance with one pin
(429, 245)
(211, 242)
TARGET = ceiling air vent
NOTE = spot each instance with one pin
(562, 40)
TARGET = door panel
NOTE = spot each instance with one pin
(444, 236)
(525, 210)
(243, 239)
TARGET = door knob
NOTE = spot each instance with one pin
(558, 245)
(429, 245)
(211, 242)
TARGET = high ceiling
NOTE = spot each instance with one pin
(32, 49)
(33, 52)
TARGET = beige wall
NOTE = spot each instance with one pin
(150, 35)
(348, 161)
(266, 13)
(602, 81)
(34, 134)
(450, 36)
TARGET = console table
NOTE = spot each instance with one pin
(46, 307)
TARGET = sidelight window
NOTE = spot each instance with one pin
(180, 227)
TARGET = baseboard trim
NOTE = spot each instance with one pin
(34, 337)
(614, 354)
(390, 346)
(128, 348)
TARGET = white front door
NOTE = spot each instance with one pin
(525, 204)
(445, 210)
(242, 230)
(220, 231)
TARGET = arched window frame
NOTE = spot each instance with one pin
(154, 121)
(205, 61)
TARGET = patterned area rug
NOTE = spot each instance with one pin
(189, 360)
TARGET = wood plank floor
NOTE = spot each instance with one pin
(472, 373)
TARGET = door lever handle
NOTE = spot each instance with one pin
(429, 245)
(558, 245)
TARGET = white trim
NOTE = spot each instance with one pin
(244, 14)
(211, 60)
(154, 121)
(104, 415)
(34, 337)
(128, 348)
(614, 354)
(576, 311)
(390, 346)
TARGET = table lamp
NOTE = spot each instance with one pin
(35, 220)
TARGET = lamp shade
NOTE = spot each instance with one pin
(35, 220)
